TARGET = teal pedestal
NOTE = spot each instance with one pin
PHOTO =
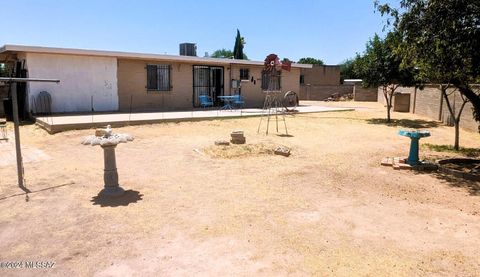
(415, 137)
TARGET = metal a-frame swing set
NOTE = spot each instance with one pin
(16, 124)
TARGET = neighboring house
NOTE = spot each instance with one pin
(321, 75)
(120, 81)
(320, 82)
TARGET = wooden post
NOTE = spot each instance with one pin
(440, 111)
(414, 100)
(16, 127)
(16, 122)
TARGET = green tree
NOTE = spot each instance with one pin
(310, 60)
(441, 38)
(379, 66)
(347, 69)
(238, 48)
(222, 53)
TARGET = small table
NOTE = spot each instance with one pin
(227, 101)
(414, 136)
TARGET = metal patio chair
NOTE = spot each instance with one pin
(238, 101)
(205, 101)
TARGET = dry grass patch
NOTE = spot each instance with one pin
(200, 209)
(233, 151)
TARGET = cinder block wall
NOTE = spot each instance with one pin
(322, 75)
(428, 102)
(322, 92)
(365, 94)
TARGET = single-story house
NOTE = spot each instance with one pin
(121, 81)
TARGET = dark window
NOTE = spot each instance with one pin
(244, 74)
(302, 79)
(276, 83)
(158, 77)
(3, 70)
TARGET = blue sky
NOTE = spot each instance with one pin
(326, 29)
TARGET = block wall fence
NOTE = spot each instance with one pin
(429, 102)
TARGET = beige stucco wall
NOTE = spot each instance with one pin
(132, 79)
(252, 91)
(81, 78)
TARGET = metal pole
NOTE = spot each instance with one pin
(91, 105)
(24, 80)
(130, 113)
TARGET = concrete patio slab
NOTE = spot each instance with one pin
(59, 123)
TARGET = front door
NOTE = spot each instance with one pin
(207, 80)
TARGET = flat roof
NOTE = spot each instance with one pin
(130, 55)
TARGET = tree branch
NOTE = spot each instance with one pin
(445, 96)
(459, 115)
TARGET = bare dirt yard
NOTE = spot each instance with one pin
(191, 209)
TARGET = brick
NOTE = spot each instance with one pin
(387, 162)
(404, 166)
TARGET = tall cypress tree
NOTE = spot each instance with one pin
(238, 48)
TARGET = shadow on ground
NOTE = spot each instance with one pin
(407, 123)
(471, 186)
(130, 196)
(469, 152)
(27, 191)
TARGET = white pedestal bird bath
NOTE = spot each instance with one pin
(108, 141)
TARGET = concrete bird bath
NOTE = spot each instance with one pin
(108, 141)
(414, 136)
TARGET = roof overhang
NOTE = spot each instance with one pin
(8, 48)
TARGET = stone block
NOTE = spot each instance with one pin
(238, 140)
(237, 137)
(282, 150)
(222, 142)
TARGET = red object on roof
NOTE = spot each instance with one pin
(287, 65)
(271, 62)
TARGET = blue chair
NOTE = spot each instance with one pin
(238, 101)
(205, 101)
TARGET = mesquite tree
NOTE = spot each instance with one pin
(456, 115)
(442, 39)
(379, 66)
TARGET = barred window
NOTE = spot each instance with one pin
(302, 79)
(3, 70)
(244, 74)
(158, 77)
(275, 85)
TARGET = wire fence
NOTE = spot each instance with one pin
(135, 109)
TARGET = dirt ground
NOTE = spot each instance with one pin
(329, 209)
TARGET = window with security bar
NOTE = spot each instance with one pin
(244, 74)
(3, 70)
(158, 77)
